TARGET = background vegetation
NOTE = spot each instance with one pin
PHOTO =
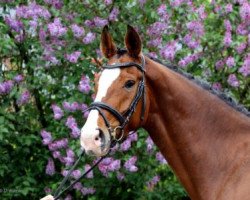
(49, 51)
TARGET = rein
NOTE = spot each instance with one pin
(122, 118)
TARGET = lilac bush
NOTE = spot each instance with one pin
(49, 53)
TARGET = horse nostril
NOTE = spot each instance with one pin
(100, 136)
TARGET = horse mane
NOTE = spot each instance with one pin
(205, 85)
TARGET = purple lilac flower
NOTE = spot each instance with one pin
(176, 3)
(99, 22)
(78, 186)
(196, 27)
(24, 98)
(115, 165)
(162, 9)
(65, 172)
(89, 23)
(150, 144)
(75, 132)
(160, 158)
(120, 176)
(228, 39)
(219, 64)
(142, 2)
(70, 153)
(90, 174)
(42, 36)
(245, 12)
(84, 84)
(58, 112)
(130, 164)
(50, 168)
(32, 11)
(73, 57)
(56, 154)
(58, 4)
(190, 42)
(233, 80)
(151, 184)
(201, 12)
(6, 87)
(162, 12)
(245, 69)
(169, 51)
(156, 42)
(76, 174)
(230, 62)
(33, 24)
(108, 2)
(58, 144)
(68, 161)
(125, 146)
(242, 29)
(19, 37)
(77, 30)
(189, 59)
(56, 29)
(86, 191)
(70, 122)
(47, 138)
(133, 136)
(217, 9)
(157, 29)
(153, 54)
(229, 8)
(71, 107)
(227, 25)
(114, 14)
(83, 107)
(109, 165)
(18, 78)
(89, 38)
(14, 24)
(248, 39)
(240, 49)
(217, 86)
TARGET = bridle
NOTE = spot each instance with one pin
(123, 118)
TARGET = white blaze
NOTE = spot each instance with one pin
(107, 77)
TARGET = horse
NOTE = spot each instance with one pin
(205, 141)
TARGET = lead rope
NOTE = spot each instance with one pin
(57, 196)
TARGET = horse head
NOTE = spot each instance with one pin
(119, 106)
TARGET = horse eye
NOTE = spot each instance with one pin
(129, 84)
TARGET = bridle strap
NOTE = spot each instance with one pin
(125, 65)
(124, 118)
(107, 107)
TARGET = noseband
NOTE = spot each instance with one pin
(123, 118)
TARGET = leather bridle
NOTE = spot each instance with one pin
(123, 118)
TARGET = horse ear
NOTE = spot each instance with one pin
(107, 45)
(133, 42)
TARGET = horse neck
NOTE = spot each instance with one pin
(192, 128)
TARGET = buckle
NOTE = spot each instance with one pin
(121, 131)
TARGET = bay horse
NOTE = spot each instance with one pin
(205, 141)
